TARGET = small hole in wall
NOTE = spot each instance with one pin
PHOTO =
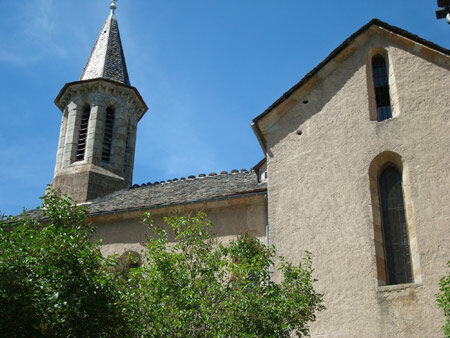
(299, 132)
(305, 101)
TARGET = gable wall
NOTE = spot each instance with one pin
(319, 195)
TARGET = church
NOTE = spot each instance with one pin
(356, 170)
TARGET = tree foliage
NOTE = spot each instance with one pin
(55, 282)
(443, 300)
(199, 287)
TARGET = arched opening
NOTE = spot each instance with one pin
(381, 87)
(396, 249)
(82, 133)
(128, 260)
(108, 134)
(396, 239)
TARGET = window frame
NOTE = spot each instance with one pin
(397, 250)
(376, 166)
(371, 91)
(380, 78)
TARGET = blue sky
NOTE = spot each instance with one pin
(204, 68)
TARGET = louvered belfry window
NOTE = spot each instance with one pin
(127, 142)
(108, 135)
(381, 85)
(82, 135)
(396, 241)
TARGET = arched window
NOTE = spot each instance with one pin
(396, 241)
(82, 134)
(381, 86)
(108, 134)
(128, 260)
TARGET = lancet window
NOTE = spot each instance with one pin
(381, 86)
(396, 240)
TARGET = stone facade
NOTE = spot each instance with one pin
(325, 149)
(121, 232)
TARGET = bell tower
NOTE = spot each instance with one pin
(100, 113)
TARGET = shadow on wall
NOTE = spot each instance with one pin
(227, 222)
(313, 96)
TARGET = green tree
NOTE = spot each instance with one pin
(54, 282)
(198, 287)
(443, 300)
(53, 279)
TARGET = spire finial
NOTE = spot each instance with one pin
(113, 6)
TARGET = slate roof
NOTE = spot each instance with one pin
(179, 192)
(214, 187)
(332, 55)
(107, 60)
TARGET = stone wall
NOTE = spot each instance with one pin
(126, 231)
(320, 146)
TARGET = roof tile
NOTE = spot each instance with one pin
(178, 192)
(107, 60)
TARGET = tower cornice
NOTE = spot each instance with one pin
(115, 88)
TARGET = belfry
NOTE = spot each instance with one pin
(100, 115)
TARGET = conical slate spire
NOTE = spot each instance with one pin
(107, 60)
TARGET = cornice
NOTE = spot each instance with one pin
(100, 85)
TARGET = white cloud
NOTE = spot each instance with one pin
(32, 33)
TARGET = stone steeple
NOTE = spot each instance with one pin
(107, 60)
(101, 111)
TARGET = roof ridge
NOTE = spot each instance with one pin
(193, 177)
(109, 20)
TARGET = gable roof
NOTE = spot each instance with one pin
(332, 55)
(260, 164)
